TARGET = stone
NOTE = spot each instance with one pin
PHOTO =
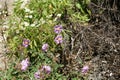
(7, 5)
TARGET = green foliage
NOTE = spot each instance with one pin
(80, 13)
(35, 21)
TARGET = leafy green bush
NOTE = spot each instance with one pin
(31, 26)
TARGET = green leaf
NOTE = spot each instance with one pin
(35, 43)
(78, 5)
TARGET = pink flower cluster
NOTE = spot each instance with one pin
(58, 39)
(40, 74)
(45, 70)
(58, 29)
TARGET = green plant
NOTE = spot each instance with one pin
(32, 26)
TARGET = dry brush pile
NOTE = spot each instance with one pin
(100, 38)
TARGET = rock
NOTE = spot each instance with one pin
(2, 52)
(7, 5)
(3, 61)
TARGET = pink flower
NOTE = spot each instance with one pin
(58, 39)
(45, 47)
(26, 42)
(58, 29)
(42, 72)
(24, 64)
(85, 69)
(37, 75)
(47, 69)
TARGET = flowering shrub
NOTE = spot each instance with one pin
(37, 33)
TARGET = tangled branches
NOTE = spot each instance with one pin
(100, 37)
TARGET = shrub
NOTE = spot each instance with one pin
(37, 34)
